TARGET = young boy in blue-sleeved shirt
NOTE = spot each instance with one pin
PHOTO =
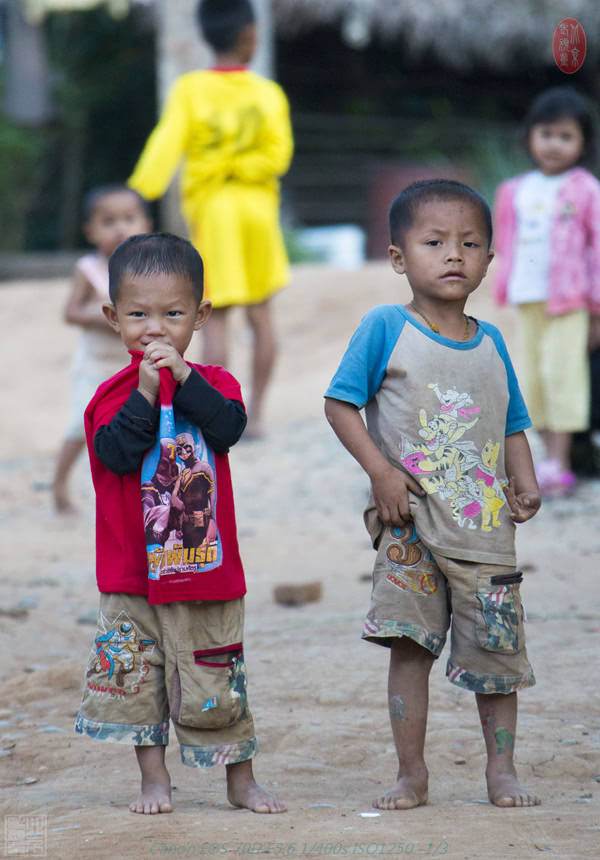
(451, 472)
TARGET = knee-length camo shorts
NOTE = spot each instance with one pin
(422, 595)
(182, 662)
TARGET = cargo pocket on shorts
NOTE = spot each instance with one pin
(499, 618)
(209, 688)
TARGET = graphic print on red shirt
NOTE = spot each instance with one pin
(179, 498)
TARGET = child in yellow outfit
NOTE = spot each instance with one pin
(232, 128)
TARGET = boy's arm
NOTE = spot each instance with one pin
(221, 420)
(80, 310)
(121, 444)
(522, 492)
(390, 485)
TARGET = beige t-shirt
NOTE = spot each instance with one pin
(440, 410)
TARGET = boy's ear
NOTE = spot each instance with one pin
(110, 313)
(491, 256)
(202, 314)
(397, 259)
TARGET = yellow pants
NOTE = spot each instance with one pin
(556, 376)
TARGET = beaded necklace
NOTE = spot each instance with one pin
(435, 328)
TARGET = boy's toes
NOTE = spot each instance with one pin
(505, 791)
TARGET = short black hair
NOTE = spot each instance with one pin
(95, 195)
(405, 206)
(565, 102)
(222, 21)
(152, 254)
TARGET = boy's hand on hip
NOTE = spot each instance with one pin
(390, 491)
(523, 505)
(162, 354)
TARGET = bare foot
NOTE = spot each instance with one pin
(155, 793)
(406, 794)
(244, 791)
(253, 432)
(62, 502)
(153, 798)
(505, 790)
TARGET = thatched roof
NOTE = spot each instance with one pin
(462, 32)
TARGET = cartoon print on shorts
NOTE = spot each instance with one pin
(115, 660)
(179, 498)
(450, 466)
(408, 552)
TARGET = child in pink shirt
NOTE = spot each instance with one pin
(547, 224)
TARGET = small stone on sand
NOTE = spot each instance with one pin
(296, 595)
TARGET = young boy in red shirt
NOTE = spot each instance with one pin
(171, 581)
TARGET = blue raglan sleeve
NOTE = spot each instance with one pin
(517, 416)
(364, 363)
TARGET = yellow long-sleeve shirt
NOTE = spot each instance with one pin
(232, 130)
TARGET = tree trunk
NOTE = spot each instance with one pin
(26, 96)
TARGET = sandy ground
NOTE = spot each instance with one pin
(317, 691)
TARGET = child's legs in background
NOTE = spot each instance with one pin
(532, 323)
(263, 359)
(85, 378)
(264, 352)
(67, 457)
(214, 333)
(566, 375)
(93, 362)
(556, 376)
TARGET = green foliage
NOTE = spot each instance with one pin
(104, 98)
(493, 159)
(20, 151)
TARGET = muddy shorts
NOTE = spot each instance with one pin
(421, 595)
(178, 661)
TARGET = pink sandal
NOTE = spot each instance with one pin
(553, 481)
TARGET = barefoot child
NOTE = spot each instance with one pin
(232, 129)
(170, 632)
(112, 213)
(444, 430)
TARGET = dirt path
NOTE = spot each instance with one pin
(317, 691)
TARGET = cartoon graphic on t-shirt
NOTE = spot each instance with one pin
(450, 466)
(493, 496)
(156, 495)
(453, 403)
(193, 495)
(179, 501)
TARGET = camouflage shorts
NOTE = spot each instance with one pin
(178, 661)
(421, 595)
